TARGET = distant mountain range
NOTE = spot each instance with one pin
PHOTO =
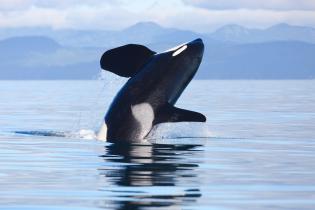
(280, 32)
(232, 52)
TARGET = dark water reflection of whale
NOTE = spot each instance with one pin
(146, 176)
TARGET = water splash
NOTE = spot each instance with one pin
(99, 101)
(180, 130)
(175, 131)
(80, 134)
(87, 134)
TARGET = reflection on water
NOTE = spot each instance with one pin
(146, 175)
(259, 155)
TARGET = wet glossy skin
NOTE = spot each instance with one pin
(162, 80)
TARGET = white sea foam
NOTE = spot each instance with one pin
(87, 134)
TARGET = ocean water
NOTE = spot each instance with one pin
(256, 151)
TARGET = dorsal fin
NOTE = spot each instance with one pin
(126, 60)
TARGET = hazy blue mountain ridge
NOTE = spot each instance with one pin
(280, 32)
(232, 52)
(271, 60)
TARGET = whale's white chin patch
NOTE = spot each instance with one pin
(180, 50)
(144, 114)
(102, 134)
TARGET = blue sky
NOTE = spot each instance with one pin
(196, 15)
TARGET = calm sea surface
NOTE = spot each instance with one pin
(256, 151)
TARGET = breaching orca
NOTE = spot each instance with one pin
(156, 82)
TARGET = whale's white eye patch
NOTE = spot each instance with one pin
(180, 50)
(176, 47)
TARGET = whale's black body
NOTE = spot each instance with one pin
(148, 98)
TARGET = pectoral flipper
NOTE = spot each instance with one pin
(169, 113)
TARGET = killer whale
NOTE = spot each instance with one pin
(156, 82)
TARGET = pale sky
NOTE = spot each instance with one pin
(196, 15)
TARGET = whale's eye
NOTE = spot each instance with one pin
(180, 50)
